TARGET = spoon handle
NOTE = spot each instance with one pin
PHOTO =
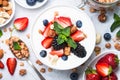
(38, 73)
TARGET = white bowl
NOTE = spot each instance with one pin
(95, 60)
(13, 12)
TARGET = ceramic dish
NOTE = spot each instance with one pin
(94, 61)
(75, 14)
(25, 5)
(9, 7)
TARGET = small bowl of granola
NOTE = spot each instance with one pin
(97, 4)
(7, 10)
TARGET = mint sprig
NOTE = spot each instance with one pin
(16, 46)
(1, 33)
(64, 35)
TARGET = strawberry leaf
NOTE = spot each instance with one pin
(16, 46)
(1, 33)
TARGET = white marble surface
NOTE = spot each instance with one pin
(32, 15)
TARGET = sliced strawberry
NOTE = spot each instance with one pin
(103, 69)
(21, 23)
(46, 30)
(59, 53)
(46, 43)
(91, 74)
(78, 36)
(63, 21)
(112, 76)
(11, 64)
(1, 65)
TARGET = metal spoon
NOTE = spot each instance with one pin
(22, 53)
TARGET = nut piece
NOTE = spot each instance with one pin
(98, 38)
(67, 51)
(117, 46)
(1, 53)
(21, 64)
(102, 17)
(42, 70)
(5, 3)
(74, 70)
(1, 75)
(51, 33)
(108, 45)
(73, 29)
(92, 10)
(22, 72)
(39, 62)
(97, 50)
(50, 69)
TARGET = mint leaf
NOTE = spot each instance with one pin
(61, 38)
(16, 46)
(118, 34)
(1, 33)
(72, 43)
(57, 27)
(66, 31)
(116, 17)
(115, 25)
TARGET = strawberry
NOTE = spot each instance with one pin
(11, 64)
(103, 69)
(1, 65)
(46, 30)
(112, 76)
(91, 74)
(63, 21)
(21, 24)
(59, 53)
(78, 36)
(46, 43)
(112, 60)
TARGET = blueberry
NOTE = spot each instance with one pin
(107, 36)
(31, 2)
(74, 76)
(43, 53)
(79, 24)
(40, 0)
(64, 57)
(45, 22)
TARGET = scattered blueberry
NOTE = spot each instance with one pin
(107, 36)
(74, 76)
(31, 2)
(64, 57)
(40, 0)
(45, 22)
(43, 53)
(79, 24)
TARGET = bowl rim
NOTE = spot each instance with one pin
(106, 3)
(13, 12)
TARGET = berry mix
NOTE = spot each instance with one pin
(63, 38)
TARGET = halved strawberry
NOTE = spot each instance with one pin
(103, 69)
(21, 23)
(63, 21)
(91, 74)
(59, 53)
(11, 64)
(78, 36)
(1, 65)
(112, 76)
(46, 30)
(46, 43)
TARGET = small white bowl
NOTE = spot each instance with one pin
(94, 61)
(11, 16)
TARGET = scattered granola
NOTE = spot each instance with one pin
(97, 50)
(1, 75)
(117, 46)
(28, 36)
(39, 62)
(22, 72)
(74, 70)
(42, 70)
(5, 30)
(92, 10)
(1, 53)
(21, 64)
